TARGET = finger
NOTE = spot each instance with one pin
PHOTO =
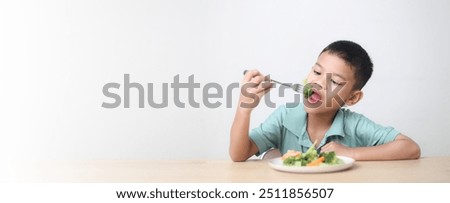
(256, 83)
(267, 89)
(257, 79)
(327, 147)
(251, 88)
(261, 91)
(251, 74)
(264, 87)
(324, 149)
(255, 90)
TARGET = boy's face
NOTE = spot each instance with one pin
(333, 82)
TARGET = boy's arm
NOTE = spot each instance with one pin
(241, 146)
(401, 148)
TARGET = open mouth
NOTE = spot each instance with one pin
(311, 94)
(314, 97)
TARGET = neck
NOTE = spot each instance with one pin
(318, 124)
(319, 121)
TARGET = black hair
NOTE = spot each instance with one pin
(356, 57)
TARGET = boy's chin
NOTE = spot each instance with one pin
(318, 108)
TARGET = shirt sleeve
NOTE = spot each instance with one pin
(369, 133)
(268, 133)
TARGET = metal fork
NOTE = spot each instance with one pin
(296, 87)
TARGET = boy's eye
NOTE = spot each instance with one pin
(335, 82)
(316, 72)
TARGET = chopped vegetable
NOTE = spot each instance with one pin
(291, 153)
(311, 153)
(310, 158)
(316, 162)
(307, 90)
(330, 158)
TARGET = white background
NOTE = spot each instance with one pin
(56, 56)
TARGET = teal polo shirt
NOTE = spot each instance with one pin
(285, 129)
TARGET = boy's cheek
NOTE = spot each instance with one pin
(307, 80)
(334, 100)
(310, 78)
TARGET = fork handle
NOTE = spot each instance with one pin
(271, 80)
(288, 85)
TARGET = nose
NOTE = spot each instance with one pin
(322, 81)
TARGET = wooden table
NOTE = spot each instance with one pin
(427, 169)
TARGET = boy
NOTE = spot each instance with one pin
(341, 71)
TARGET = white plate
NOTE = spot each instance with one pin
(277, 164)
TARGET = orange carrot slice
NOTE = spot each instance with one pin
(316, 162)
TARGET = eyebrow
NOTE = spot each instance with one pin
(336, 74)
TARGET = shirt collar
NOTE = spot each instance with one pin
(296, 121)
(337, 127)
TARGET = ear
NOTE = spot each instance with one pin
(354, 98)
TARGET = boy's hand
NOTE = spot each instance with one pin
(340, 149)
(254, 86)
